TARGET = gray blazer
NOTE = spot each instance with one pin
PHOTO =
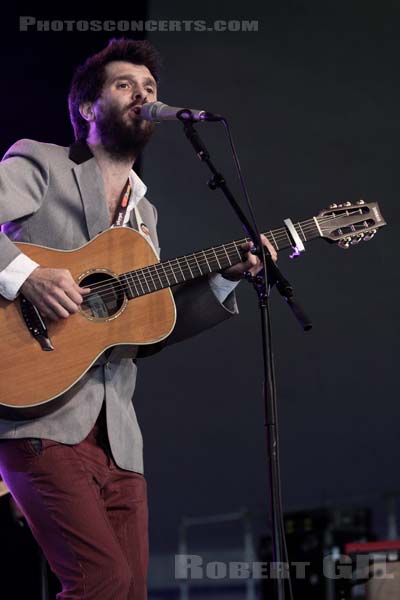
(54, 196)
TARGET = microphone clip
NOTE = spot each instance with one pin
(186, 114)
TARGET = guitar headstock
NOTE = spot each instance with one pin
(348, 224)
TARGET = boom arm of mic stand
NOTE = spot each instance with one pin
(218, 181)
(273, 273)
(286, 291)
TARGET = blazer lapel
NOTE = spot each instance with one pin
(90, 183)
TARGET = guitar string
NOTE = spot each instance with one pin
(141, 286)
(174, 266)
(196, 262)
(137, 287)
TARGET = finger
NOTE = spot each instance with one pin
(62, 300)
(50, 314)
(246, 245)
(270, 247)
(247, 255)
(81, 290)
(71, 288)
(45, 310)
(74, 294)
(252, 261)
(245, 248)
(53, 310)
(70, 305)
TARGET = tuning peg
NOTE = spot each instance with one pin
(357, 239)
(340, 205)
(344, 243)
(360, 201)
(347, 204)
(334, 205)
(368, 236)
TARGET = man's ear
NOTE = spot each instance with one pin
(86, 111)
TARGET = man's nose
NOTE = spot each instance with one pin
(140, 94)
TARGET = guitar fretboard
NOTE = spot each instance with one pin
(191, 266)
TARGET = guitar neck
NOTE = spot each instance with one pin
(184, 268)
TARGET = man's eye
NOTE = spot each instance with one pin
(123, 85)
(150, 90)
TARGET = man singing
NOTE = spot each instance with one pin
(77, 472)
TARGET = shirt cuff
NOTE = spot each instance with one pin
(221, 287)
(14, 275)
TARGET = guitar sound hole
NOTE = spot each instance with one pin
(106, 297)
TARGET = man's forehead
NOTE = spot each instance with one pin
(120, 67)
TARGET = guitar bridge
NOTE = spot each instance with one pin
(35, 324)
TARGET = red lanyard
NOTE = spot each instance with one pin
(120, 213)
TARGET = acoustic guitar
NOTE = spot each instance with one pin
(130, 301)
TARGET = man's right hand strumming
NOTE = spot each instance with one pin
(54, 292)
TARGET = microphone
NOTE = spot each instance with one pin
(158, 111)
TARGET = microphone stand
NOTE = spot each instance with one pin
(262, 285)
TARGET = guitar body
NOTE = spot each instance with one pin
(29, 375)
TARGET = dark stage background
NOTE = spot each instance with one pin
(313, 99)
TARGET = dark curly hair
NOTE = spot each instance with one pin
(89, 78)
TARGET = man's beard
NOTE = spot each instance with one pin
(120, 139)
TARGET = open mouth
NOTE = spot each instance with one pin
(135, 111)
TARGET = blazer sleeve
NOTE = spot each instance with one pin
(24, 178)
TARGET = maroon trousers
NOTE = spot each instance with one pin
(88, 515)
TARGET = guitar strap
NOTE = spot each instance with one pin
(120, 213)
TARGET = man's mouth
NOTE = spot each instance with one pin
(135, 111)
